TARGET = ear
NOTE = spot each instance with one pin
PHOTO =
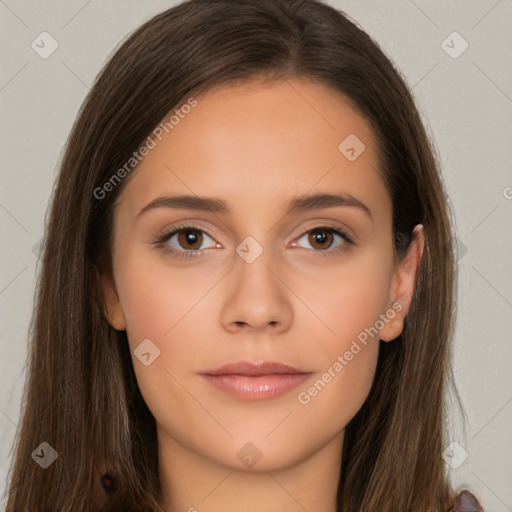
(111, 305)
(402, 285)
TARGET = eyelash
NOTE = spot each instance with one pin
(163, 237)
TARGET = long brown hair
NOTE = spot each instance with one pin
(82, 397)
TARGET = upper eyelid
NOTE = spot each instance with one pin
(200, 224)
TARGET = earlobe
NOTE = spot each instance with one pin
(402, 286)
(111, 305)
(393, 328)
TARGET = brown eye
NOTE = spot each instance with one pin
(323, 240)
(190, 238)
(185, 242)
(320, 238)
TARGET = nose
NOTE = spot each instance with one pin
(257, 298)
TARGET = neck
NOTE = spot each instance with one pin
(192, 482)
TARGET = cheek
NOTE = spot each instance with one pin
(168, 306)
(157, 298)
(350, 301)
(347, 298)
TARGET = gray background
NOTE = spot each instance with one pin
(466, 104)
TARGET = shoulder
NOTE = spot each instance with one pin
(466, 502)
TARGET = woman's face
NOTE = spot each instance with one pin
(260, 274)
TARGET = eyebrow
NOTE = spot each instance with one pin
(297, 204)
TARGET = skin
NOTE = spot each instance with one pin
(255, 146)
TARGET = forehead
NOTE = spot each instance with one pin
(259, 143)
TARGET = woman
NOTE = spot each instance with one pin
(300, 360)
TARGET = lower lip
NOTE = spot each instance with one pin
(262, 387)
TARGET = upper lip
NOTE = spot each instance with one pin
(254, 368)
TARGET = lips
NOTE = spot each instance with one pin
(247, 380)
(254, 369)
